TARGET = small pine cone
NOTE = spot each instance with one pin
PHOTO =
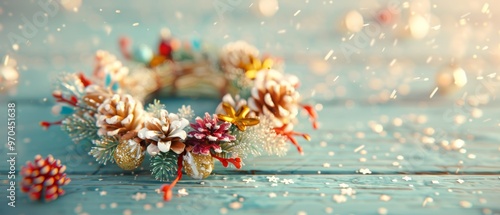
(274, 98)
(164, 132)
(236, 102)
(95, 95)
(118, 115)
(198, 166)
(106, 62)
(237, 55)
(43, 178)
(129, 154)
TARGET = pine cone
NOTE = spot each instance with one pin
(118, 115)
(236, 102)
(105, 62)
(95, 95)
(274, 97)
(237, 55)
(164, 132)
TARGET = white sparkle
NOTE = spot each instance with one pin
(385, 198)
(427, 200)
(183, 192)
(287, 181)
(339, 198)
(347, 191)
(248, 180)
(406, 178)
(460, 181)
(329, 54)
(272, 195)
(433, 92)
(273, 179)
(359, 148)
(139, 196)
(365, 171)
(344, 185)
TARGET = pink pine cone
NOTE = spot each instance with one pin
(208, 133)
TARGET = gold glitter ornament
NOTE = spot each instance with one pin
(198, 166)
(129, 154)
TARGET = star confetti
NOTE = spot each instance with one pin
(273, 179)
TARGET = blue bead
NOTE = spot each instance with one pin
(107, 80)
(196, 44)
(142, 54)
(65, 110)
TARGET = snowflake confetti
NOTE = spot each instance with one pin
(248, 180)
(406, 178)
(273, 179)
(365, 171)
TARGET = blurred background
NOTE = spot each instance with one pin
(345, 52)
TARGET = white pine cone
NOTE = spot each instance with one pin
(237, 55)
(236, 102)
(275, 98)
(118, 115)
(164, 132)
(106, 62)
(95, 95)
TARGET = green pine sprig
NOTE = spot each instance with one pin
(80, 127)
(164, 166)
(104, 149)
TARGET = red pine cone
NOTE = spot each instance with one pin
(43, 178)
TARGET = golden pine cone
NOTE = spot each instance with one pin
(198, 166)
(129, 154)
(118, 115)
(274, 96)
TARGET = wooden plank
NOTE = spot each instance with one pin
(308, 194)
(343, 144)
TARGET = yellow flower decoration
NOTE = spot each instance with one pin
(256, 65)
(237, 118)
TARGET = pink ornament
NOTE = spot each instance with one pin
(43, 178)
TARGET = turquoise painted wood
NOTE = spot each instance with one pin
(407, 168)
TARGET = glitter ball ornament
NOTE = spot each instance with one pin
(129, 154)
(198, 166)
(43, 178)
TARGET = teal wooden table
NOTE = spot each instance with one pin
(379, 150)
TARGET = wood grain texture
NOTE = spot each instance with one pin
(332, 160)
(411, 171)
